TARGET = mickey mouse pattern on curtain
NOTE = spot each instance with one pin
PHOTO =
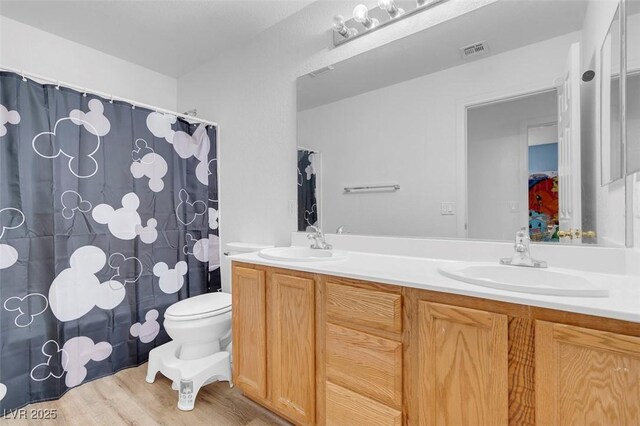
(108, 215)
(307, 201)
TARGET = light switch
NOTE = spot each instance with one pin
(293, 207)
(447, 208)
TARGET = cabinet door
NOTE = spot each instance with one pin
(462, 360)
(292, 344)
(586, 376)
(249, 331)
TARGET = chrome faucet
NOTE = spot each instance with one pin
(522, 255)
(340, 230)
(318, 239)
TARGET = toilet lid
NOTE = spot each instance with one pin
(204, 305)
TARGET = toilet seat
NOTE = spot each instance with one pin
(198, 307)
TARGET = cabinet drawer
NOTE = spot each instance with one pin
(369, 365)
(345, 407)
(365, 307)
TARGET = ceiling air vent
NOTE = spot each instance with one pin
(475, 49)
(318, 73)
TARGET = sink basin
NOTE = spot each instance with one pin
(547, 281)
(301, 254)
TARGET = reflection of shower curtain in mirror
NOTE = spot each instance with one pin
(307, 201)
(106, 213)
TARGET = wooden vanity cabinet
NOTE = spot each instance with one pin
(360, 337)
(586, 376)
(248, 304)
(325, 350)
(274, 340)
(291, 352)
(462, 366)
(476, 361)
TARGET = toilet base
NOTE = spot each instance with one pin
(188, 376)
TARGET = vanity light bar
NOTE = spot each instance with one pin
(366, 20)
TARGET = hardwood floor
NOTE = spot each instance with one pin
(126, 399)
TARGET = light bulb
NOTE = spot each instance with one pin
(340, 27)
(386, 4)
(361, 15)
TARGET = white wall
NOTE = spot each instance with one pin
(27, 48)
(251, 93)
(408, 133)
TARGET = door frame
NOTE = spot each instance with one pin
(462, 107)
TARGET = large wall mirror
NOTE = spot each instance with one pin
(419, 138)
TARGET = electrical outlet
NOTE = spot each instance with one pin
(293, 208)
(447, 208)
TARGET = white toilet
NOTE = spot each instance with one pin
(199, 353)
(200, 324)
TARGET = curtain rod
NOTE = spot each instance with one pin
(109, 96)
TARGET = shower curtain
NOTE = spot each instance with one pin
(108, 215)
(307, 201)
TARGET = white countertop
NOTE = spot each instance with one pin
(623, 302)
